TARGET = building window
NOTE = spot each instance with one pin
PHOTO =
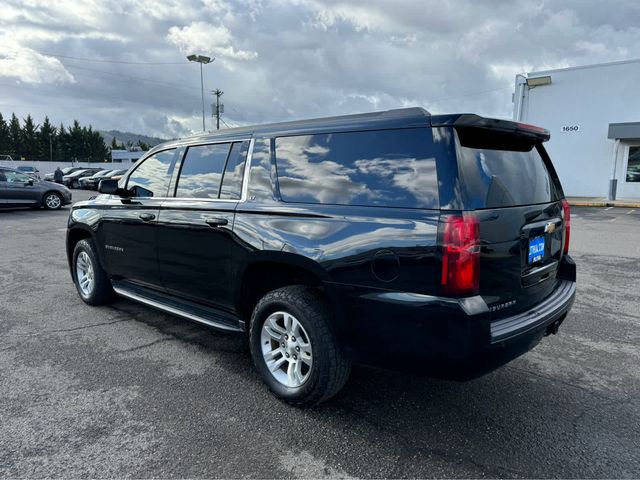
(633, 165)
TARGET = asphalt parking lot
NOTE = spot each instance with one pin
(125, 391)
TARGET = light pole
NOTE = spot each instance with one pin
(50, 148)
(201, 59)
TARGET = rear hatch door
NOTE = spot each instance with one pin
(505, 177)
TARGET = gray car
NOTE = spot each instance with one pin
(18, 189)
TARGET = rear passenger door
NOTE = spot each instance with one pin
(195, 227)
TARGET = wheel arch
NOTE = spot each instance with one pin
(268, 271)
(74, 235)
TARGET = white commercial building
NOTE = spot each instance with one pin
(593, 114)
(126, 156)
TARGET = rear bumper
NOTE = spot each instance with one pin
(448, 338)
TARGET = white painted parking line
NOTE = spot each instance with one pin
(608, 208)
(630, 212)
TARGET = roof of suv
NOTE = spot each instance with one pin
(398, 118)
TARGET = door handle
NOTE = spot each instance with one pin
(146, 217)
(216, 222)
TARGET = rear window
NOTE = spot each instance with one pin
(497, 171)
(391, 168)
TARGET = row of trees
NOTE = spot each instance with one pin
(33, 141)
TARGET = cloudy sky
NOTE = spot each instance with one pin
(120, 64)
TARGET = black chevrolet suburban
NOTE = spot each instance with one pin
(433, 243)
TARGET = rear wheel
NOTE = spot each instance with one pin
(52, 201)
(92, 282)
(75, 184)
(294, 347)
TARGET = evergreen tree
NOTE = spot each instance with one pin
(62, 144)
(143, 146)
(76, 136)
(97, 148)
(15, 137)
(46, 137)
(29, 142)
(114, 144)
(5, 138)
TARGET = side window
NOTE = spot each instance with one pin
(15, 177)
(233, 173)
(3, 176)
(393, 168)
(152, 175)
(201, 171)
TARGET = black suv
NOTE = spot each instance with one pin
(397, 238)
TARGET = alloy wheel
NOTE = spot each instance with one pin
(84, 273)
(52, 201)
(286, 349)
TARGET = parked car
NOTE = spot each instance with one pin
(430, 243)
(17, 189)
(91, 181)
(29, 170)
(65, 171)
(117, 175)
(73, 179)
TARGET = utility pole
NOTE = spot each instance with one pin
(219, 107)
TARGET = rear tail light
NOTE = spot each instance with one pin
(460, 255)
(566, 215)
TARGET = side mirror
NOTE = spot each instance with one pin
(30, 182)
(110, 187)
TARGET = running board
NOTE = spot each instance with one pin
(178, 307)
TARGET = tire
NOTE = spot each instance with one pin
(52, 201)
(75, 184)
(321, 369)
(94, 286)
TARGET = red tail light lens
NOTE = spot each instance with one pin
(460, 255)
(566, 214)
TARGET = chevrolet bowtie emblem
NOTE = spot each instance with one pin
(550, 227)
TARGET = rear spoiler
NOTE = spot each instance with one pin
(470, 120)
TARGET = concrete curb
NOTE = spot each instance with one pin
(579, 203)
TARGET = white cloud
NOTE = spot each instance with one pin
(31, 67)
(202, 37)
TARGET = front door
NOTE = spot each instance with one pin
(195, 239)
(128, 232)
(20, 189)
(629, 185)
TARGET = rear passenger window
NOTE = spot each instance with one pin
(393, 168)
(152, 175)
(201, 171)
(232, 181)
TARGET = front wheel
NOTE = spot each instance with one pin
(294, 347)
(52, 201)
(75, 184)
(91, 280)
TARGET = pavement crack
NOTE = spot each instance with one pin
(66, 330)
(419, 447)
(147, 345)
(557, 380)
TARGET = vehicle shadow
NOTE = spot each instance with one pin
(516, 421)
